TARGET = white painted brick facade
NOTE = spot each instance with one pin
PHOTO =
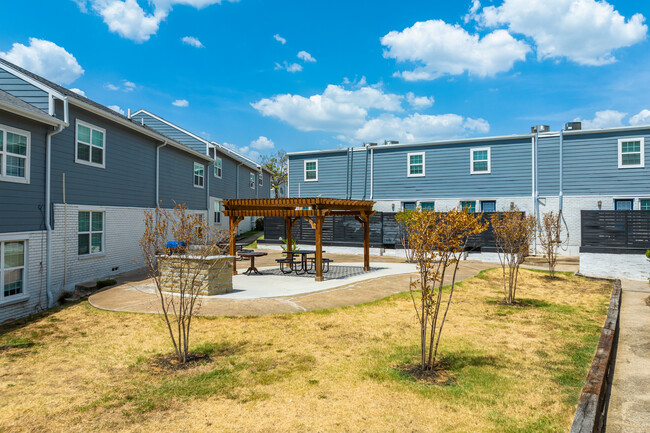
(628, 266)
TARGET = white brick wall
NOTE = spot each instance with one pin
(628, 266)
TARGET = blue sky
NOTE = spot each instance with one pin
(369, 71)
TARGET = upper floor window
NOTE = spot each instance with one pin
(90, 145)
(415, 164)
(428, 205)
(480, 163)
(218, 167)
(469, 205)
(251, 180)
(630, 152)
(90, 233)
(14, 155)
(311, 170)
(12, 268)
(260, 179)
(198, 175)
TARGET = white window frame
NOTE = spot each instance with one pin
(408, 164)
(641, 202)
(251, 179)
(260, 179)
(91, 232)
(76, 144)
(471, 160)
(3, 167)
(305, 170)
(20, 296)
(220, 168)
(467, 201)
(620, 152)
(202, 175)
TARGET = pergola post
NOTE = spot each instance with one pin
(319, 248)
(288, 223)
(366, 243)
(234, 222)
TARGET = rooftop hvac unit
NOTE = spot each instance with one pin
(539, 129)
(573, 126)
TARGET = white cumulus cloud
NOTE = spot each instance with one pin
(45, 58)
(437, 48)
(181, 103)
(419, 101)
(262, 143)
(247, 151)
(289, 67)
(279, 38)
(116, 108)
(641, 118)
(583, 31)
(305, 56)
(78, 91)
(192, 41)
(603, 119)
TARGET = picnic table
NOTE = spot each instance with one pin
(251, 255)
(303, 265)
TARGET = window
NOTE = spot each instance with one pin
(90, 144)
(311, 171)
(251, 180)
(198, 175)
(14, 155)
(218, 167)
(260, 179)
(627, 204)
(480, 161)
(12, 268)
(645, 204)
(489, 206)
(427, 205)
(408, 205)
(217, 212)
(469, 205)
(90, 233)
(415, 164)
(630, 153)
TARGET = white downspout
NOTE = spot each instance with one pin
(158, 172)
(536, 191)
(561, 192)
(372, 173)
(48, 214)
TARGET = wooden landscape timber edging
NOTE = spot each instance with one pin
(591, 412)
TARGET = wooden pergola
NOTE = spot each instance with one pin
(314, 209)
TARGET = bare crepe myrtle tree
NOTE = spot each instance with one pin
(403, 218)
(179, 289)
(513, 234)
(550, 231)
(437, 241)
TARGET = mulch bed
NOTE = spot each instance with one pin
(169, 363)
(440, 375)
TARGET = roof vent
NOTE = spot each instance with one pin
(573, 126)
(539, 129)
(369, 144)
(387, 142)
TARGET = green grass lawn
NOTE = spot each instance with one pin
(509, 369)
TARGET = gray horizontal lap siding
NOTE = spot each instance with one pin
(170, 132)
(226, 187)
(331, 175)
(591, 166)
(548, 165)
(24, 90)
(177, 179)
(128, 178)
(19, 203)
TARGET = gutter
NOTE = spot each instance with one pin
(48, 120)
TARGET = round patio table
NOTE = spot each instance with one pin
(252, 255)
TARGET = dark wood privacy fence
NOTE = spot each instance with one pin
(619, 231)
(346, 231)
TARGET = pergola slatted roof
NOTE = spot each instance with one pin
(292, 209)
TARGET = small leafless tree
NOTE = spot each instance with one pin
(513, 233)
(549, 238)
(187, 266)
(403, 220)
(437, 241)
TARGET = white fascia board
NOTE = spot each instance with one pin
(32, 81)
(48, 120)
(136, 127)
(168, 123)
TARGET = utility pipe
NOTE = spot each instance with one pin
(365, 180)
(561, 192)
(535, 171)
(48, 213)
(160, 146)
(372, 172)
(65, 236)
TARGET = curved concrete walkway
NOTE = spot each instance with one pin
(271, 294)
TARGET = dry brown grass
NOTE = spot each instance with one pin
(514, 368)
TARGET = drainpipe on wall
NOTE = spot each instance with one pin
(561, 192)
(534, 183)
(160, 146)
(207, 189)
(48, 212)
(365, 180)
(372, 172)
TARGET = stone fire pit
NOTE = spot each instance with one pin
(215, 278)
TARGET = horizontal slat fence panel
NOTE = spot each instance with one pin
(615, 229)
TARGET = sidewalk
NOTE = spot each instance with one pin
(629, 405)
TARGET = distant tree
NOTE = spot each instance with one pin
(194, 239)
(550, 231)
(513, 234)
(403, 219)
(277, 165)
(438, 241)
